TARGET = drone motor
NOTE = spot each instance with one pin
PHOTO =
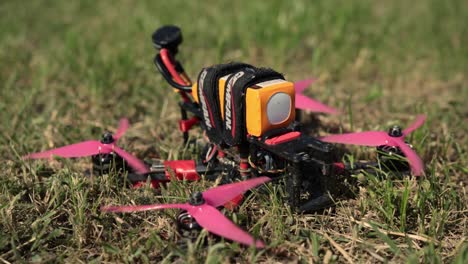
(389, 155)
(103, 163)
(187, 226)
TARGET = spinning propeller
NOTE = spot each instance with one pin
(93, 147)
(202, 207)
(306, 103)
(395, 138)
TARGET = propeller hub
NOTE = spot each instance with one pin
(395, 131)
(196, 199)
(107, 138)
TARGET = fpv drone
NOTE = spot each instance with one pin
(248, 116)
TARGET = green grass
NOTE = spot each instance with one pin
(68, 70)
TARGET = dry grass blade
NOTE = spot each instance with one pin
(400, 234)
(339, 248)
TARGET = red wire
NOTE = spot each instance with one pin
(168, 62)
(170, 66)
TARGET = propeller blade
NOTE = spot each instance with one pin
(215, 222)
(415, 162)
(368, 138)
(306, 103)
(220, 195)
(300, 86)
(419, 121)
(132, 161)
(123, 126)
(82, 149)
(139, 208)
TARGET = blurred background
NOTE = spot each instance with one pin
(394, 55)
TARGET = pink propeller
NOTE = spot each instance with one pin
(94, 147)
(202, 207)
(395, 138)
(306, 103)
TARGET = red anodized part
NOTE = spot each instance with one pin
(186, 125)
(283, 138)
(183, 169)
(155, 184)
(339, 167)
(230, 205)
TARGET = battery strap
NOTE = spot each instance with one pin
(234, 132)
(208, 94)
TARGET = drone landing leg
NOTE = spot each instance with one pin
(293, 184)
(183, 114)
(321, 202)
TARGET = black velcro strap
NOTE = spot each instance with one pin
(234, 101)
(208, 94)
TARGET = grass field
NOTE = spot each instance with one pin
(69, 69)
